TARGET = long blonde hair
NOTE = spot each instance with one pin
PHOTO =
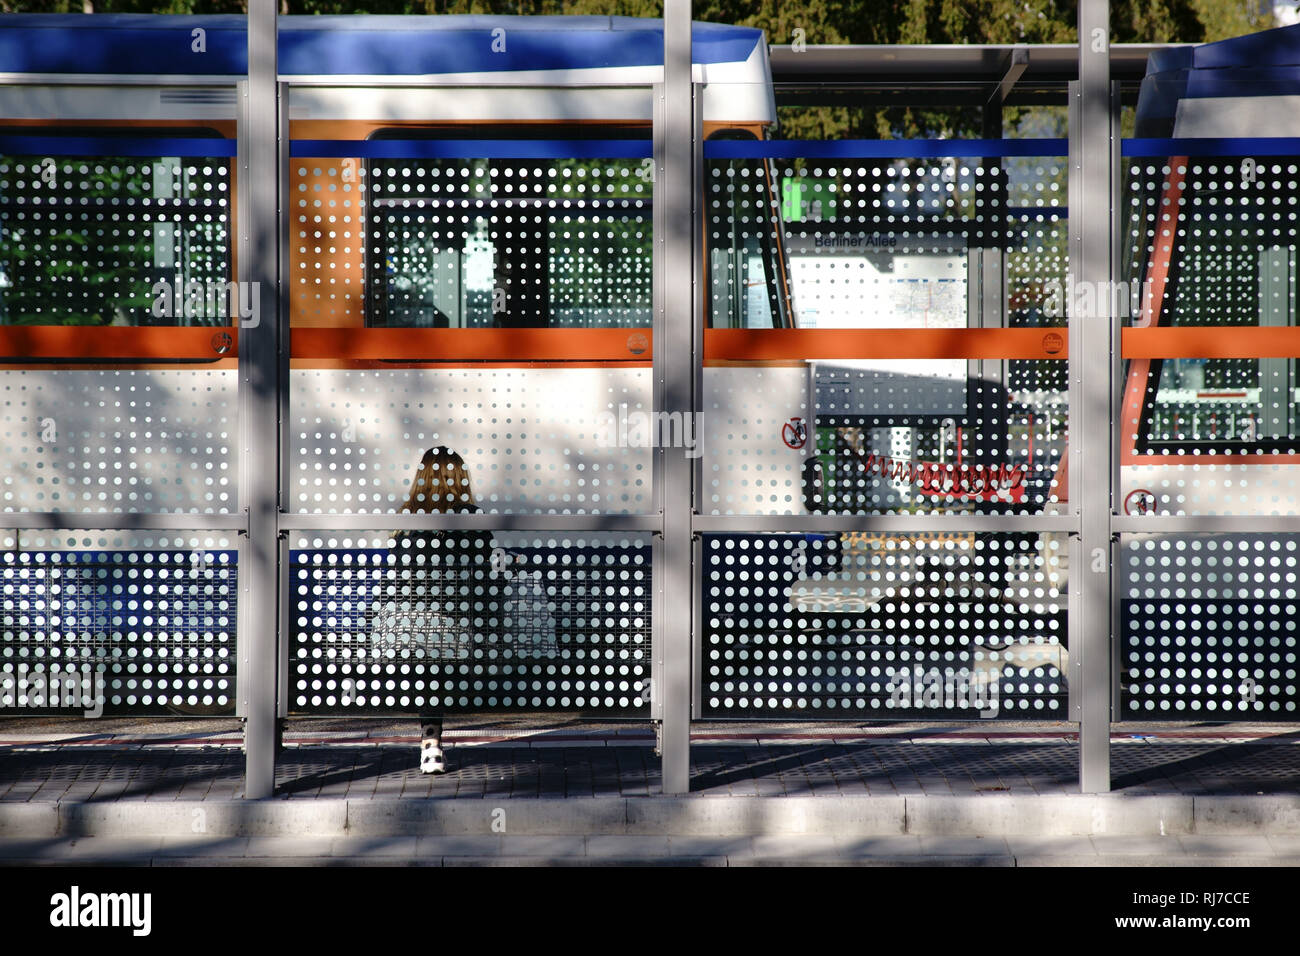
(441, 484)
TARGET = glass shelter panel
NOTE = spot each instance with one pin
(1208, 422)
(888, 626)
(1208, 626)
(118, 388)
(535, 272)
(434, 622)
(918, 252)
(142, 623)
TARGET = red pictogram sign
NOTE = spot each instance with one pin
(795, 433)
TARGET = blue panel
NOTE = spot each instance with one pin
(406, 46)
(143, 44)
(122, 44)
(1279, 47)
(473, 148)
(115, 146)
(1246, 81)
(1177, 58)
(1227, 146)
(1262, 64)
(1158, 103)
(882, 148)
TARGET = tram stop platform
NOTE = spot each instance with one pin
(539, 790)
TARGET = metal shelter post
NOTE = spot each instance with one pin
(993, 245)
(675, 360)
(259, 366)
(1091, 342)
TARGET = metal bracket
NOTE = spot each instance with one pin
(1017, 65)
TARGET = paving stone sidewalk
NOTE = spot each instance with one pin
(51, 773)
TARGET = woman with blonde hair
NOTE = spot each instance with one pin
(451, 559)
(441, 484)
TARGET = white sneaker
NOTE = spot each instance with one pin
(432, 758)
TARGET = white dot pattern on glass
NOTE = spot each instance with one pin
(885, 244)
(798, 625)
(1208, 626)
(85, 240)
(472, 243)
(153, 615)
(746, 465)
(1217, 435)
(130, 440)
(534, 440)
(462, 621)
(876, 625)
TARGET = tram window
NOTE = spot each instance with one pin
(86, 240)
(747, 278)
(1226, 271)
(509, 243)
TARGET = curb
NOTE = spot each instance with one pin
(865, 816)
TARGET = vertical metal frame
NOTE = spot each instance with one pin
(284, 482)
(992, 265)
(259, 397)
(243, 651)
(657, 498)
(1091, 362)
(244, 579)
(675, 361)
(284, 625)
(1074, 552)
(701, 291)
(975, 258)
(698, 569)
(1117, 213)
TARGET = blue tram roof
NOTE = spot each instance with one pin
(145, 44)
(1261, 64)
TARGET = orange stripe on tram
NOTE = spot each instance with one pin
(121, 343)
(773, 344)
(472, 345)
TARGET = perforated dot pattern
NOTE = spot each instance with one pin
(84, 241)
(129, 440)
(1212, 243)
(435, 622)
(472, 243)
(1208, 626)
(954, 626)
(148, 621)
(533, 440)
(886, 244)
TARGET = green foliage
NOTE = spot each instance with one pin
(79, 237)
(67, 264)
(823, 21)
